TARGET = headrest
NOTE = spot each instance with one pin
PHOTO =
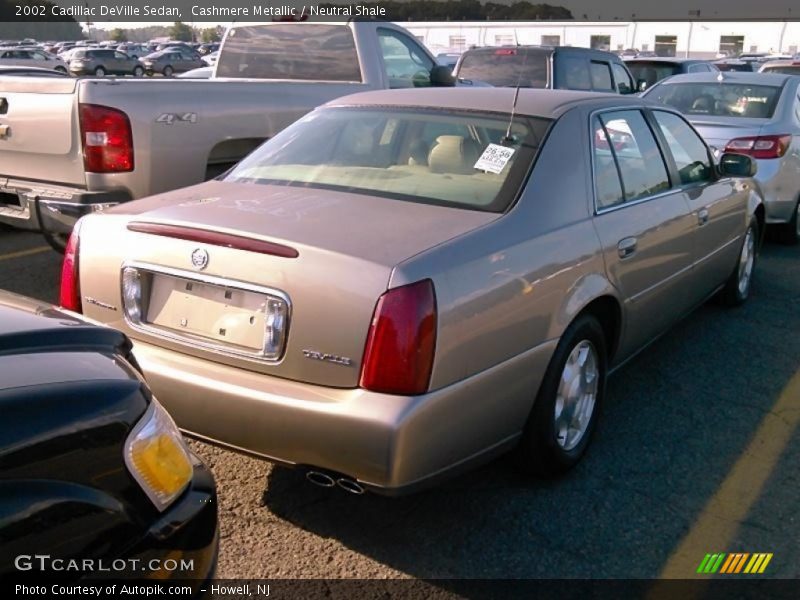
(453, 154)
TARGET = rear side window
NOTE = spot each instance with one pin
(573, 73)
(623, 141)
(506, 67)
(687, 149)
(624, 83)
(601, 76)
(405, 63)
(301, 51)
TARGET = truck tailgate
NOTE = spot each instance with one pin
(41, 125)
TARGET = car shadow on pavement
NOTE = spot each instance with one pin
(676, 419)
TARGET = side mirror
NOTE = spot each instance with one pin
(442, 76)
(737, 165)
(641, 85)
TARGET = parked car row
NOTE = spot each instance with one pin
(102, 61)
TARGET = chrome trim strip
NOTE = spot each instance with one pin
(195, 341)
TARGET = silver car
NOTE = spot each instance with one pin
(31, 57)
(407, 282)
(757, 114)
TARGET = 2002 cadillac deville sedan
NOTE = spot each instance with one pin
(404, 283)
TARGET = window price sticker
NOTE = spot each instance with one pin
(494, 159)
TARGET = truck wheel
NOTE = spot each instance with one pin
(790, 232)
(57, 241)
(168, 71)
(138, 71)
(565, 412)
(100, 72)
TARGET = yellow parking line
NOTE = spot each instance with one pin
(21, 253)
(716, 526)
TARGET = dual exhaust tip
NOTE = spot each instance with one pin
(327, 481)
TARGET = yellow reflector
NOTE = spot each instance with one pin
(162, 464)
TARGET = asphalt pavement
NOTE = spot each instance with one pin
(696, 452)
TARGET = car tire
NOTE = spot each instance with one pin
(99, 72)
(138, 71)
(168, 71)
(550, 445)
(737, 287)
(790, 232)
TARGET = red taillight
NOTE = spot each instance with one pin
(505, 52)
(70, 296)
(398, 358)
(107, 139)
(763, 146)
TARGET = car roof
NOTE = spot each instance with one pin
(745, 77)
(665, 59)
(531, 102)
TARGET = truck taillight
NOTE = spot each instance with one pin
(398, 358)
(762, 146)
(70, 296)
(107, 139)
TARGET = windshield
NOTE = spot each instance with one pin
(428, 156)
(506, 67)
(651, 72)
(719, 99)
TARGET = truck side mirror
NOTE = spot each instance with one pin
(442, 76)
(641, 84)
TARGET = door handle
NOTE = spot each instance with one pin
(702, 216)
(627, 247)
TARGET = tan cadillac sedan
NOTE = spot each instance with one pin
(405, 283)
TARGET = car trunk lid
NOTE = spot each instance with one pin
(328, 255)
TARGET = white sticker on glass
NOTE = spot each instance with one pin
(494, 159)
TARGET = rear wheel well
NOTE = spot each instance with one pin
(226, 154)
(607, 311)
(761, 219)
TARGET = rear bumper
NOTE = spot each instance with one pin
(54, 208)
(777, 179)
(389, 444)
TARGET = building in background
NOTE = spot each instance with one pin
(688, 39)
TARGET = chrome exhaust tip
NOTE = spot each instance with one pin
(320, 479)
(351, 486)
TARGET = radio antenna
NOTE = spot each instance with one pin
(508, 138)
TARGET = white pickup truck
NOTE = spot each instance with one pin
(73, 146)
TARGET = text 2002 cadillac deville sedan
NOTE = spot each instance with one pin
(404, 283)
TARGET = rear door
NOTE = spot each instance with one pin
(644, 225)
(718, 205)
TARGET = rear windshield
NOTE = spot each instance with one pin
(506, 67)
(719, 99)
(416, 155)
(299, 51)
(651, 72)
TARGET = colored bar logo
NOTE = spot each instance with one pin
(731, 564)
